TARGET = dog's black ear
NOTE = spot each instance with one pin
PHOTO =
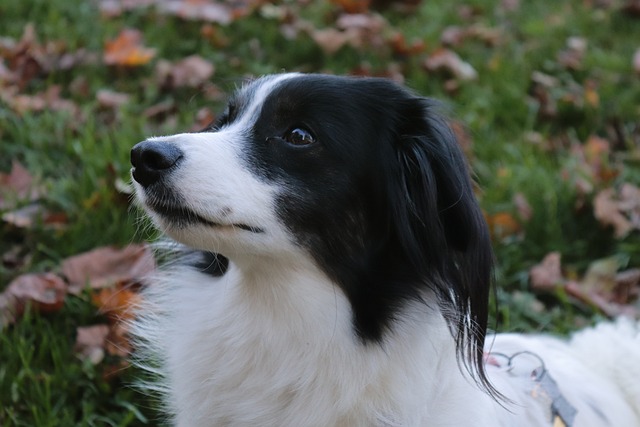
(440, 226)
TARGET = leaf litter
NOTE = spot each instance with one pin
(111, 276)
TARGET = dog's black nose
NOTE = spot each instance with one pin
(152, 159)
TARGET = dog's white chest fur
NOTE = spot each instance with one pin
(281, 351)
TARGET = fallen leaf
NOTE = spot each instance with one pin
(353, 6)
(91, 342)
(502, 225)
(601, 303)
(106, 266)
(621, 210)
(126, 50)
(455, 35)
(16, 256)
(448, 61)
(50, 99)
(547, 275)
(109, 99)
(510, 5)
(45, 292)
(355, 30)
(116, 302)
(601, 287)
(201, 10)
(606, 289)
(525, 212)
(601, 276)
(573, 55)
(627, 287)
(17, 185)
(636, 61)
(401, 48)
(541, 88)
(192, 71)
(204, 119)
(24, 217)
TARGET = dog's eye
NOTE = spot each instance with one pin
(299, 136)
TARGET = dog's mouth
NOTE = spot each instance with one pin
(182, 217)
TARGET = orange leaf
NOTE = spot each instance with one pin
(353, 6)
(502, 224)
(127, 50)
(117, 303)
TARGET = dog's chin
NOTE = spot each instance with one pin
(184, 220)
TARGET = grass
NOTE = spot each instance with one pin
(78, 158)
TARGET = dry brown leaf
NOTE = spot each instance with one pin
(547, 275)
(107, 266)
(330, 40)
(24, 217)
(620, 210)
(192, 71)
(455, 35)
(204, 119)
(50, 99)
(402, 48)
(353, 6)
(110, 99)
(126, 50)
(525, 211)
(603, 287)
(35, 213)
(27, 58)
(448, 61)
(44, 291)
(355, 30)
(598, 301)
(17, 185)
(627, 286)
(510, 5)
(605, 209)
(217, 12)
(573, 56)
(91, 342)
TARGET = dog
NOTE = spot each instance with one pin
(335, 270)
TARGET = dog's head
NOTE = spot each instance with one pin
(360, 174)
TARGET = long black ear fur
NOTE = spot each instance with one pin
(441, 227)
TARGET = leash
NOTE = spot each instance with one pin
(543, 387)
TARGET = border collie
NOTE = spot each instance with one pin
(336, 272)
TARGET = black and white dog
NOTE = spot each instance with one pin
(339, 275)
